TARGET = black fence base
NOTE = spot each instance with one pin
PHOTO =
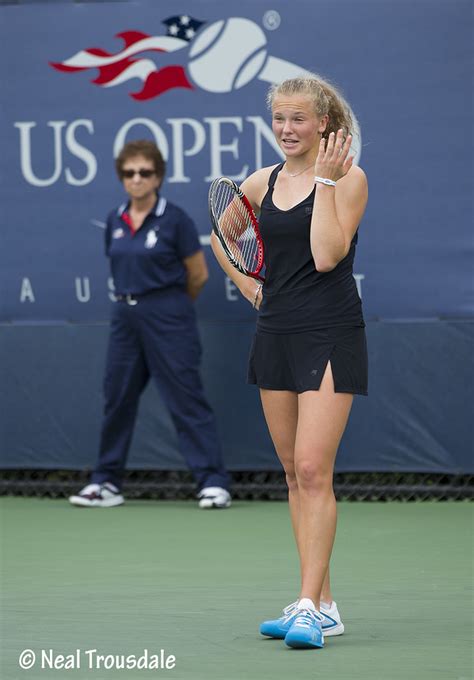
(247, 485)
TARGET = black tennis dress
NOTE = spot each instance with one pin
(307, 318)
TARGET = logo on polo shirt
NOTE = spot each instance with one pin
(118, 233)
(151, 239)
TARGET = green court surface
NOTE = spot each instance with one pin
(167, 576)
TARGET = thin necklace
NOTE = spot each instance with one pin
(295, 174)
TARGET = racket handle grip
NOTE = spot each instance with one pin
(259, 288)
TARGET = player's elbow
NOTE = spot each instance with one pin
(325, 265)
(326, 262)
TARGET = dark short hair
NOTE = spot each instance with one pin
(141, 147)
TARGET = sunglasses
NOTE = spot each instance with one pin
(146, 174)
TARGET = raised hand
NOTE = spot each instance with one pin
(333, 161)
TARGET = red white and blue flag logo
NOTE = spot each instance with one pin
(130, 62)
(223, 56)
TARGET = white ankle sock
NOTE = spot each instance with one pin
(306, 603)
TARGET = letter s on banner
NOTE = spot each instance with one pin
(81, 152)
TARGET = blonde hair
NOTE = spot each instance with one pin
(326, 98)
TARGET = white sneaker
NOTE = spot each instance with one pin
(214, 497)
(98, 496)
(332, 624)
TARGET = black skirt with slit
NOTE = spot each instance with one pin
(297, 361)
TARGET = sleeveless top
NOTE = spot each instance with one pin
(296, 296)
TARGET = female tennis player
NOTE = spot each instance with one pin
(309, 354)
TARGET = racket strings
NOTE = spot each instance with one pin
(236, 227)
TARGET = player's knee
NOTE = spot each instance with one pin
(312, 474)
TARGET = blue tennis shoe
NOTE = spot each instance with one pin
(278, 628)
(306, 631)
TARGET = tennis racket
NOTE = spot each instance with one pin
(236, 226)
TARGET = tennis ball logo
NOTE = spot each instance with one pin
(227, 55)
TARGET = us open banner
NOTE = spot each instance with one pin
(80, 80)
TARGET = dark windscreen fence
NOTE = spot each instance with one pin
(95, 75)
(246, 485)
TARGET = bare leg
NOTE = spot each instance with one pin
(281, 414)
(322, 418)
(326, 592)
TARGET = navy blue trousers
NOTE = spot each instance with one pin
(157, 338)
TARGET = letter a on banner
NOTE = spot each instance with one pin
(26, 293)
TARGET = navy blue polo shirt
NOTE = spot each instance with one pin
(150, 258)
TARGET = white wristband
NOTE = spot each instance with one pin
(323, 180)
